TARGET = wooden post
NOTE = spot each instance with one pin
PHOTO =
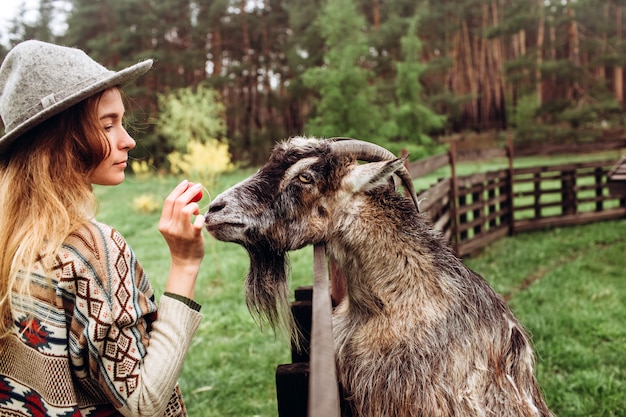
(491, 195)
(537, 194)
(292, 379)
(568, 192)
(479, 211)
(323, 386)
(599, 174)
(462, 202)
(454, 221)
(511, 195)
(292, 389)
(301, 311)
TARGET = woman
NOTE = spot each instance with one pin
(81, 333)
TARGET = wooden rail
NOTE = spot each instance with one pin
(475, 210)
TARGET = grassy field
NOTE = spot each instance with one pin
(567, 286)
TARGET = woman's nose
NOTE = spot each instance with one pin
(127, 142)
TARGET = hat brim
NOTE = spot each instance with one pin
(118, 78)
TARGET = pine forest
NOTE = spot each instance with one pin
(405, 72)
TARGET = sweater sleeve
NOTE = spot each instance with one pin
(119, 339)
(169, 341)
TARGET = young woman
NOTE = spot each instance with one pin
(80, 330)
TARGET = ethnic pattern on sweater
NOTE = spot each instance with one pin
(80, 335)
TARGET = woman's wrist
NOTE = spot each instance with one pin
(182, 280)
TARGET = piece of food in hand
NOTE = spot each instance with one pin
(196, 197)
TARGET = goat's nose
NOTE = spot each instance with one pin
(214, 208)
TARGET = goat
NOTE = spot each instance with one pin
(418, 333)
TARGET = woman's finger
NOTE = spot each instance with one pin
(193, 193)
(170, 200)
(184, 193)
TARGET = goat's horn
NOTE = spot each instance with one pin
(370, 152)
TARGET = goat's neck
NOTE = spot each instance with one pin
(378, 276)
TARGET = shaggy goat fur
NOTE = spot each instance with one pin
(418, 334)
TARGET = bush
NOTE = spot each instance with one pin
(202, 161)
(146, 204)
(187, 115)
(142, 168)
(193, 122)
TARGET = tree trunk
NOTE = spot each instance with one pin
(376, 14)
(572, 36)
(247, 83)
(266, 119)
(618, 72)
(549, 92)
(216, 51)
(469, 72)
(484, 70)
(573, 49)
(600, 70)
(497, 57)
(540, 34)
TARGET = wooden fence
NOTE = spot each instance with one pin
(473, 211)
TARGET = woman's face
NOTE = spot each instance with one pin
(110, 113)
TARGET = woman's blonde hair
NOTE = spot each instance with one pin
(46, 194)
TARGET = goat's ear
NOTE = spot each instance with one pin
(371, 175)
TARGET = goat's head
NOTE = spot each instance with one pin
(290, 203)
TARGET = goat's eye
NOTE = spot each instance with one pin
(305, 178)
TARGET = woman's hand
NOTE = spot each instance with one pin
(183, 236)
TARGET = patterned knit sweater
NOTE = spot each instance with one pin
(89, 339)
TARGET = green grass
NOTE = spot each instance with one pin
(566, 285)
(568, 288)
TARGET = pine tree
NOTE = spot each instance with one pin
(345, 104)
(414, 119)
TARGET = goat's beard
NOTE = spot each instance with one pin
(267, 292)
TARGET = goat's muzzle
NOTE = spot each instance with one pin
(221, 225)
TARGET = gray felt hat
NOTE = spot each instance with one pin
(39, 80)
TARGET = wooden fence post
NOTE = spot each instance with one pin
(568, 193)
(599, 174)
(537, 194)
(454, 221)
(292, 389)
(462, 235)
(511, 195)
(478, 200)
(292, 380)
(323, 398)
(491, 195)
